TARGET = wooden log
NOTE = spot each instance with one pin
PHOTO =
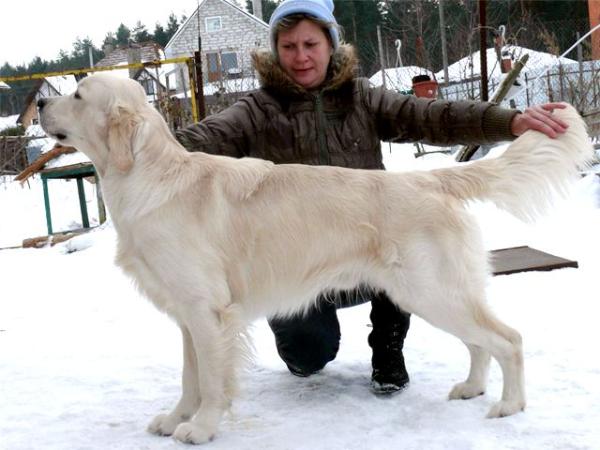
(53, 239)
(39, 163)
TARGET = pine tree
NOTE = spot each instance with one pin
(268, 6)
(160, 35)
(140, 33)
(359, 20)
(110, 39)
(123, 35)
(172, 26)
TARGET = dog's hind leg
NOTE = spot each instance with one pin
(506, 347)
(476, 382)
(165, 424)
(484, 333)
(465, 315)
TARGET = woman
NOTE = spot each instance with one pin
(311, 109)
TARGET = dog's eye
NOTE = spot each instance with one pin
(77, 96)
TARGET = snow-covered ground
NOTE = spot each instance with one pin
(86, 363)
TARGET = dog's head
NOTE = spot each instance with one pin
(101, 119)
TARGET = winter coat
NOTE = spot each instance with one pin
(341, 123)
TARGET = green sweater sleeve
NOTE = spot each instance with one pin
(231, 132)
(406, 118)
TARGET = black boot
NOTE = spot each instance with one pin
(390, 326)
(308, 341)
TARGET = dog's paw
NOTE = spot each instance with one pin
(464, 391)
(164, 425)
(505, 408)
(191, 433)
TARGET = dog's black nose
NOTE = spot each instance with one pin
(41, 103)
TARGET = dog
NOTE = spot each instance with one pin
(216, 242)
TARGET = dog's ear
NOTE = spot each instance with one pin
(123, 122)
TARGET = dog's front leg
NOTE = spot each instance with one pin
(209, 343)
(165, 424)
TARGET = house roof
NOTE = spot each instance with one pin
(3, 85)
(35, 87)
(63, 84)
(150, 51)
(58, 85)
(193, 16)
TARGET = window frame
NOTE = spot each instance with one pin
(213, 30)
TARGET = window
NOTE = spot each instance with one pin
(222, 65)
(213, 24)
(229, 65)
(148, 85)
(213, 66)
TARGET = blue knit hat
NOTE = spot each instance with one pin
(321, 9)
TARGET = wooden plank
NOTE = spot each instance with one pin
(524, 259)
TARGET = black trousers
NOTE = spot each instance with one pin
(307, 342)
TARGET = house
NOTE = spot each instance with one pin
(42, 88)
(152, 79)
(228, 34)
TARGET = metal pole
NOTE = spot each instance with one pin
(379, 40)
(483, 50)
(444, 44)
(85, 221)
(91, 56)
(580, 61)
(199, 78)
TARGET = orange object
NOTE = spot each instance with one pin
(506, 65)
(427, 89)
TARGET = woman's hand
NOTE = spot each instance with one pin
(539, 118)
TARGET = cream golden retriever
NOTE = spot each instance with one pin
(216, 242)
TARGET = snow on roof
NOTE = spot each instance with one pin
(8, 122)
(64, 84)
(399, 78)
(147, 51)
(470, 67)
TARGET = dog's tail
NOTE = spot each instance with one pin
(524, 178)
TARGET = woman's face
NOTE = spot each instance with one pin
(304, 53)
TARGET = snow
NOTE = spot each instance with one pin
(461, 69)
(86, 362)
(399, 78)
(64, 84)
(8, 122)
(232, 85)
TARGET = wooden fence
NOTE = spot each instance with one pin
(577, 84)
(13, 154)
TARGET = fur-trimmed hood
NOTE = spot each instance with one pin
(342, 69)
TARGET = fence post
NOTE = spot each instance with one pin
(580, 60)
(550, 93)
(527, 90)
(562, 85)
(199, 85)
